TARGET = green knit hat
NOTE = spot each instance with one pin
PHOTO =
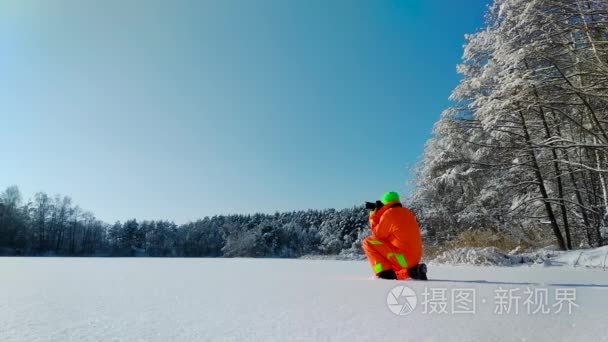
(390, 197)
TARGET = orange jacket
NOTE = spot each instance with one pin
(397, 225)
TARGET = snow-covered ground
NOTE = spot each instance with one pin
(97, 299)
(491, 256)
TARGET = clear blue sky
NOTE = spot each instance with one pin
(181, 109)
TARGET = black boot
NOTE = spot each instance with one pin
(387, 274)
(418, 272)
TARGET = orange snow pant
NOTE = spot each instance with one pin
(384, 256)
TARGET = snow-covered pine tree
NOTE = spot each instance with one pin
(529, 121)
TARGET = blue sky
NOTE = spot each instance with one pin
(183, 109)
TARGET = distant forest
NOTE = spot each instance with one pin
(55, 226)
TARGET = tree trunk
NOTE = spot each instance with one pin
(541, 186)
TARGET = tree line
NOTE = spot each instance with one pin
(524, 148)
(55, 226)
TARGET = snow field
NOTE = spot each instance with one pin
(147, 299)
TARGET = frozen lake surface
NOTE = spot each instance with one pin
(146, 299)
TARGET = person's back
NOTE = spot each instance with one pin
(405, 233)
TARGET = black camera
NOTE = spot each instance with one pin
(373, 205)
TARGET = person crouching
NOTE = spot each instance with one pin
(394, 249)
